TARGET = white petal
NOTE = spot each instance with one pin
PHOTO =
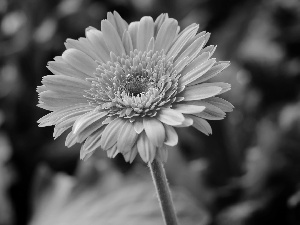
(155, 131)
(159, 21)
(62, 83)
(127, 138)
(96, 39)
(91, 143)
(196, 73)
(87, 119)
(111, 133)
(171, 136)
(195, 63)
(188, 108)
(126, 40)
(133, 31)
(166, 35)
(192, 50)
(112, 38)
(62, 68)
(170, 116)
(121, 24)
(186, 123)
(138, 126)
(145, 33)
(146, 149)
(80, 61)
(83, 45)
(198, 92)
(216, 69)
(201, 125)
(220, 103)
(181, 40)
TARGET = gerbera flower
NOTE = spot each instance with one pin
(126, 87)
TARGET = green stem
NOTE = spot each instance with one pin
(163, 192)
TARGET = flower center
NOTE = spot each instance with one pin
(137, 84)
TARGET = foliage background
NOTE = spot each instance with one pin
(247, 172)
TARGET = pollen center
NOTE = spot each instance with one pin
(137, 84)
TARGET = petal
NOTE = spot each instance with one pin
(69, 119)
(64, 83)
(171, 136)
(216, 69)
(145, 33)
(195, 63)
(159, 21)
(126, 40)
(198, 92)
(112, 38)
(211, 111)
(83, 45)
(192, 50)
(196, 73)
(58, 132)
(170, 116)
(201, 125)
(64, 111)
(60, 67)
(186, 123)
(182, 39)
(80, 61)
(70, 140)
(150, 46)
(87, 119)
(224, 86)
(145, 148)
(155, 131)
(121, 24)
(138, 126)
(91, 143)
(130, 156)
(96, 38)
(220, 103)
(211, 115)
(127, 138)
(112, 152)
(111, 133)
(133, 31)
(55, 99)
(181, 64)
(166, 35)
(188, 108)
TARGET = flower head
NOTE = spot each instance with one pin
(126, 87)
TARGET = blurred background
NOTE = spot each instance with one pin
(247, 172)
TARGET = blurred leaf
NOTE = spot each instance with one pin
(111, 199)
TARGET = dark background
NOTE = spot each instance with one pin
(247, 172)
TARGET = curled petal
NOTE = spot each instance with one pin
(170, 116)
(188, 108)
(171, 136)
(127, 138)
(155, 131)
(111, 132)
(80, 61)
(146, 149)
(201, 125)
(198, 92)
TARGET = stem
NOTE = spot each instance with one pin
(163, 192)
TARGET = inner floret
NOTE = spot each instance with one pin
(137, 84)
